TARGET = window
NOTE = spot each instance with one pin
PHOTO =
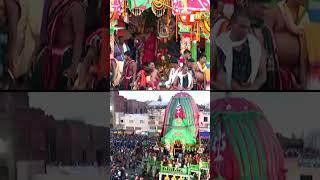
(205, 119)
(305, 177)
(131, 121)
(141, 121)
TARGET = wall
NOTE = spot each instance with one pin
(294, 172)
(133, 121)
(203, 124)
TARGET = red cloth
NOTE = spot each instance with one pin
(179, 113)
(143, 78)
(121, 24)
(288, 80)
(127, 77)
(149, 49)
(154, 85)
(54, 51)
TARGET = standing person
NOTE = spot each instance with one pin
(264, 34)
(129, 72)
(120, 48)
(150, 47)
(153, 81)
(9, 17)
(57, 62)
(287, 20)
(28, 39)
(138, 50)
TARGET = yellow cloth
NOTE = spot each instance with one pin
(117, 73)
(312, 37)
(206, 71)
(29, 27)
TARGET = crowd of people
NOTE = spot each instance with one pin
(138, 63)
(131, 152)
(127, 154)
(53, 44)
(181, 160)
(262, 46)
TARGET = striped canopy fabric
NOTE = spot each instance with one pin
(244, 146)
(186, 127)
(192, 5)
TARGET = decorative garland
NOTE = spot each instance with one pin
(136, 11)
(158, 7)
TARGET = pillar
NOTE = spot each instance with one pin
(207, 51)
(194, 51)
(112, 29)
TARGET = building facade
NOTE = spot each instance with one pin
(30, 135)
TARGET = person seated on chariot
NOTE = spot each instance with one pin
(175, 69)
(153, 78)
(141, 81)
(203, 72)
(185, 58)
(184, 80)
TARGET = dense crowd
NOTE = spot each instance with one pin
(130, 152)
(127, 154)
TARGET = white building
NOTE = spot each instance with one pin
(137, 123)
(204, 119)
(156, 118)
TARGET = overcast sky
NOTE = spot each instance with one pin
(201, 97)
(287, 112)
(92, 107)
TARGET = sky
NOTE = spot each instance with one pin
(92, 107)
(201, 97)
(288, 112)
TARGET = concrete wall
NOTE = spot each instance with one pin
(74, 173)
(7, 159)
(27, 169)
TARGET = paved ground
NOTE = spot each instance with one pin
(75, 174)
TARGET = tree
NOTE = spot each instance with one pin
(160, 98)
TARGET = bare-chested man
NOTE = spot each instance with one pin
(59, 58)
(9, 16)
(153, 81)
(91, 72)
(287, 21)
(129, 72)
(202, 72)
